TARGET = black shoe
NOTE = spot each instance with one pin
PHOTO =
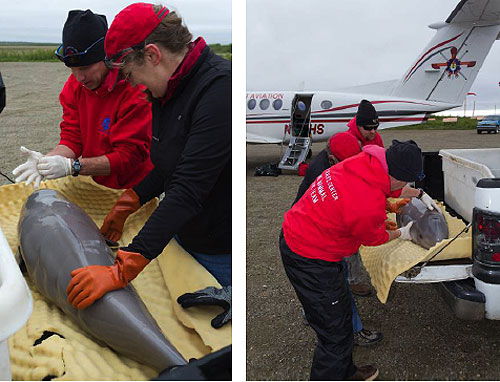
(367, 337)
(361, 289)
(364, 373)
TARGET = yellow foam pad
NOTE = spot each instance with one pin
(385, 262)
(77, 356)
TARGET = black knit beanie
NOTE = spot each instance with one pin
(404, 160)
(81, 30)
(366, 114)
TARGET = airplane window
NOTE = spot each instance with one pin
(326, 104)
(251, 104)
(301, 105)
(264, 104)
(277, 104)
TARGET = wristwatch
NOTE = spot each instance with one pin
(420, 194)
(76, 167)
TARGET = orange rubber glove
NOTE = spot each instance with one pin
(390, 225)
(90, 283)
(396, 207)
(127, 203)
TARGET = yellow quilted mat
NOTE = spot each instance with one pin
(72, 355)
(385, 262)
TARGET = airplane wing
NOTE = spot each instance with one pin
(475, 11)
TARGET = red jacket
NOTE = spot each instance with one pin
(353, 129)
(114, 123)
(342, 209)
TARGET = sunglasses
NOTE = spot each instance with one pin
(371, 127)
(117, 60)
(71, 56)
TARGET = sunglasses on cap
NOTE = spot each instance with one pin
(371, 127)
(116, 60)
(71, 56)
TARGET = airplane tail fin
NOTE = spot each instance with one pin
(448, 66)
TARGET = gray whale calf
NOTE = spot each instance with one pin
(56, 237)
(429, 227)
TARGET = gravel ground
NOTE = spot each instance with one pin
(423, 340)
(32, 114)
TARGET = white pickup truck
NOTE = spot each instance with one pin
(468, 181)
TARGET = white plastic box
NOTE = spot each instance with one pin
(16, 303)
(462, 169)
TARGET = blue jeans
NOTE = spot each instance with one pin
(219, 266)
(357, 325)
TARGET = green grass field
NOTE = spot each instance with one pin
(438, 124)
(33, 52)
(17, 52)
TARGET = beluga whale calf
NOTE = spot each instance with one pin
(56, 237)
(429, 226)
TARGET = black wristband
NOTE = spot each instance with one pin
(420, 194)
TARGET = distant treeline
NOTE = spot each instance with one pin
(44, 52)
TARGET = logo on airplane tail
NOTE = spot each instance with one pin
(454, 64)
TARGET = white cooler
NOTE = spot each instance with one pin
(16, 303)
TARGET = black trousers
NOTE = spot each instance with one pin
(321, 288)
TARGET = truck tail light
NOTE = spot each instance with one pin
(486, 236)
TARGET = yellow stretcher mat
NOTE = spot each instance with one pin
(385, 262)
(71, 354)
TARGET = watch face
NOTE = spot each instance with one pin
(76, 167)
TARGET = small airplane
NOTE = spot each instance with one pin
(437, 80)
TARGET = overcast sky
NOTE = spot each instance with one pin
(329, 44)
(42, 20)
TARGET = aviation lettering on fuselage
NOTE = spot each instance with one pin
(265, 95)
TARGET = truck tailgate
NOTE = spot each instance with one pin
(432, 273)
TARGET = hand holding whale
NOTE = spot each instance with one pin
(90, 283)
(397, 206)
(405, 231)
(430, 203)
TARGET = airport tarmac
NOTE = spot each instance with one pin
(423, 340)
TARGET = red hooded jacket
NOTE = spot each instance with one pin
(114, 123)
(353, 129)
(342, 209)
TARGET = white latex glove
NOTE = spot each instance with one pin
(54, 166)
(28, 171)
(430, 203)
(405, 231)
